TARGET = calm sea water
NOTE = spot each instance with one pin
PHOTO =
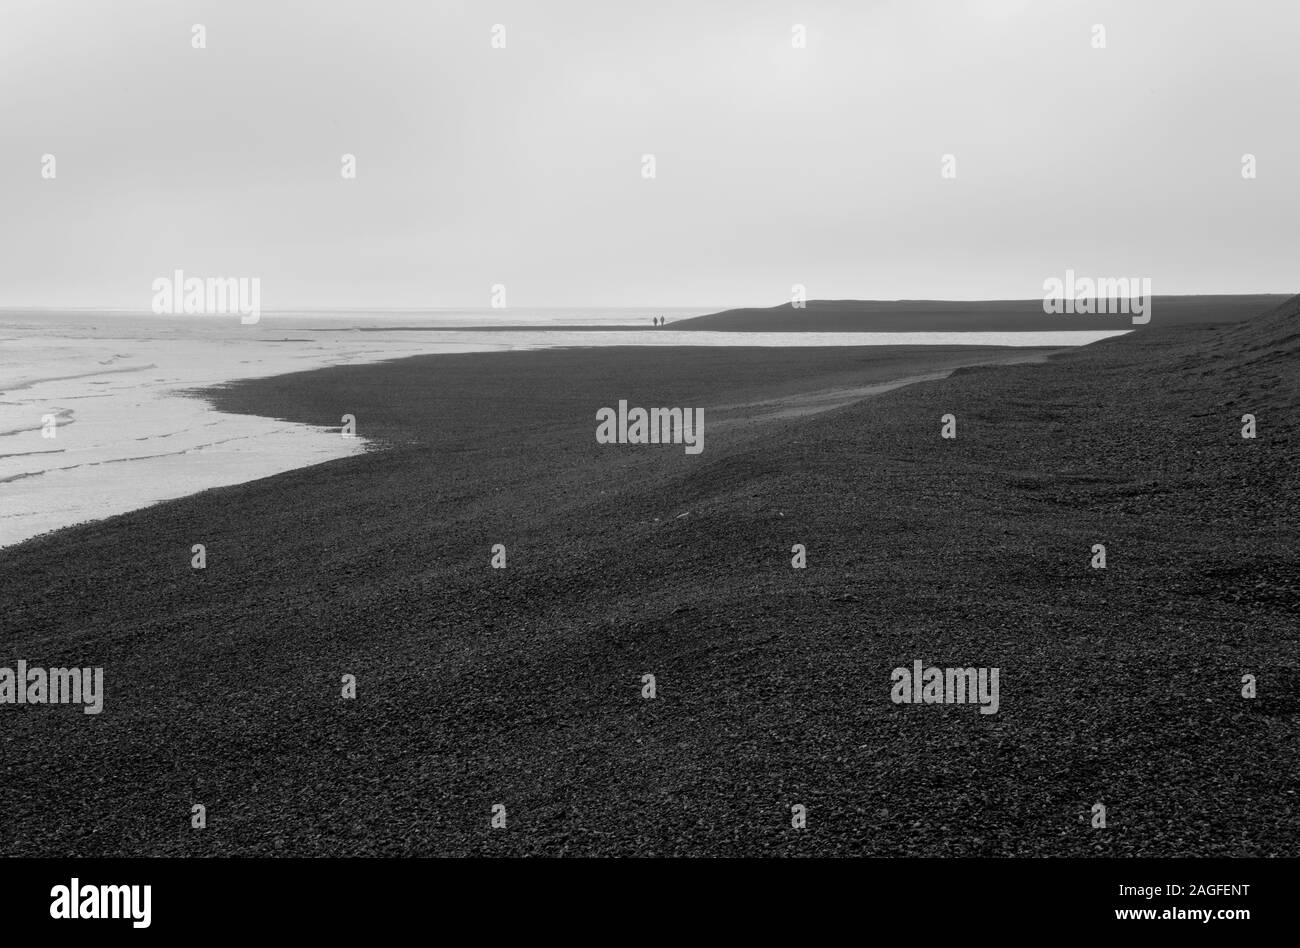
(124, 437)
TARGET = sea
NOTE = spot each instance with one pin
(97, 415)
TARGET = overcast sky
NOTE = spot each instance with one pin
(522, 166)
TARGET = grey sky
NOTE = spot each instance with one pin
(522, 165)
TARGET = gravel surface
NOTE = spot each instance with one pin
(523, 686)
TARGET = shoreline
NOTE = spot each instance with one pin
(266, 436)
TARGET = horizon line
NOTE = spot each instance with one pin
(638, 307)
